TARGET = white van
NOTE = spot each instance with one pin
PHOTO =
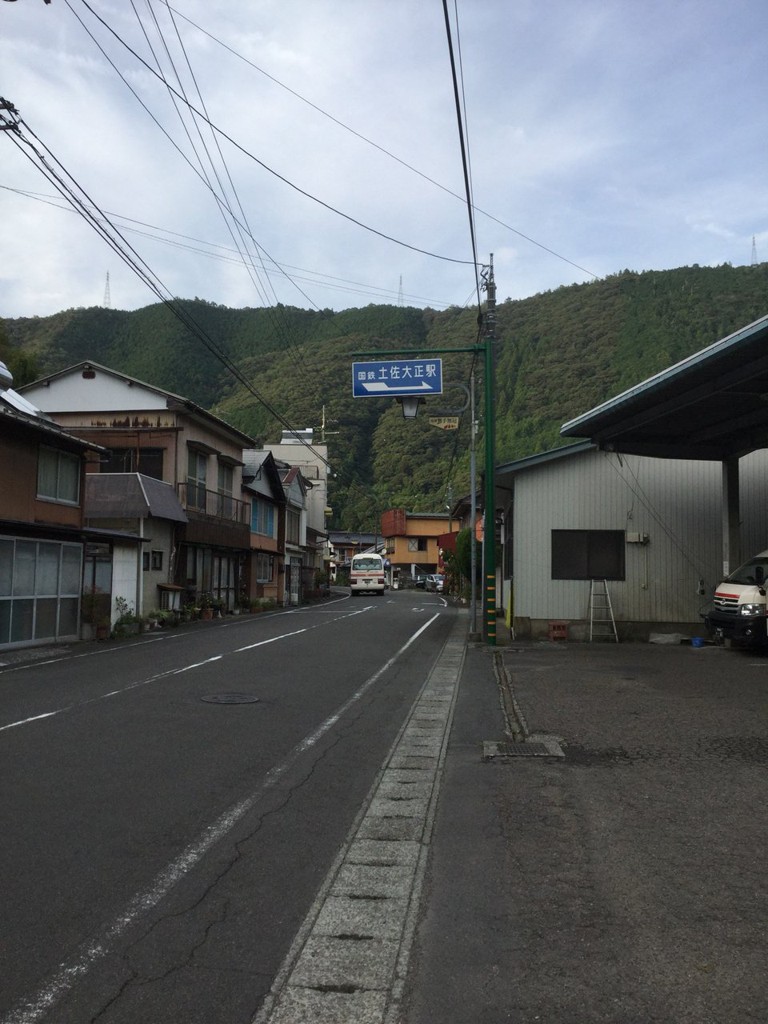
(739, 604)
(366, 574)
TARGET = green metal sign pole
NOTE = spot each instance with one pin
(489, 534)
(489, 546)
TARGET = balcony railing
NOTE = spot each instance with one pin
(213, 505)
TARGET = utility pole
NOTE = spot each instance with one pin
(324, 432)
(473, 633)
(489, 534)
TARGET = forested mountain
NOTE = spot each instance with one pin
(558, 354)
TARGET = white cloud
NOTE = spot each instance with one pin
(611, 135)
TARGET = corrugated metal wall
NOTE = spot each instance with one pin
(677, 503)
(753, 470)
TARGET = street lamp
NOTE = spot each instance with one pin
(410, 405)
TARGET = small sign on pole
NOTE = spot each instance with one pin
(444, 422)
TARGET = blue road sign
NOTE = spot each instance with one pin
(397, 378)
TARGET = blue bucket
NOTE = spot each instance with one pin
(697, 642)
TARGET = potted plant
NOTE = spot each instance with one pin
(206, 606)
(189, 611)
(127, 622)
(94, 614)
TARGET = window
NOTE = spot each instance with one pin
(417, 543)
(264, 567)
(263, 518)
(157, 559)
(58, 476)
(293, 527)
(148, 461)
(226, 480)
(40, 589)
(587, 554)
(197, 468)
(226, 477)
(145, 561)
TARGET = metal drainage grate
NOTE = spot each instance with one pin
(493, 749)
(230, 698)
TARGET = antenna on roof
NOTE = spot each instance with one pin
(754, 252)
(107, 297)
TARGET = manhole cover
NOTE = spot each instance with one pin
(231, 698)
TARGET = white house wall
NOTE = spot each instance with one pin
(161, 535)
(104, 393)
(125, 582)
(313, 464)
(676, 503)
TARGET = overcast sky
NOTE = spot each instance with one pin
(601, 135)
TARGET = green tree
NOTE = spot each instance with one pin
(22, 365)
(463, 558)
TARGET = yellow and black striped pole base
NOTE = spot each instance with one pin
(490, 609)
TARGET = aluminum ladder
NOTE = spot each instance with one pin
(602, 625)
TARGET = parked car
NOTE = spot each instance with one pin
(420, 582)
(435, 582)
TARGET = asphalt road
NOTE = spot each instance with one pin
(159, 848)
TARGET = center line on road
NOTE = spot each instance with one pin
(197, 664)
(34, 718)
(271, 640)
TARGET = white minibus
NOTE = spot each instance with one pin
(366, 574)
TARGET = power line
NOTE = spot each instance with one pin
(377, 146)
(74, 193)
(278, 319)
(265, 166)
(227, 255)
(221, 203)
(464, 151)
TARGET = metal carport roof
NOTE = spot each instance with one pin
(712, 405)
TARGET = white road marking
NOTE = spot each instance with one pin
(34, 718)
(174, 671)
(31, 1010)
(198, 664)
(326, 975)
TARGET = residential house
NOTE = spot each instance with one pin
(45, 549)
(263, 489)
(161, 435)
(412, 540)
(298, 448)
(343, 544)
(151, 510)
(299, 558)
(650, 527)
